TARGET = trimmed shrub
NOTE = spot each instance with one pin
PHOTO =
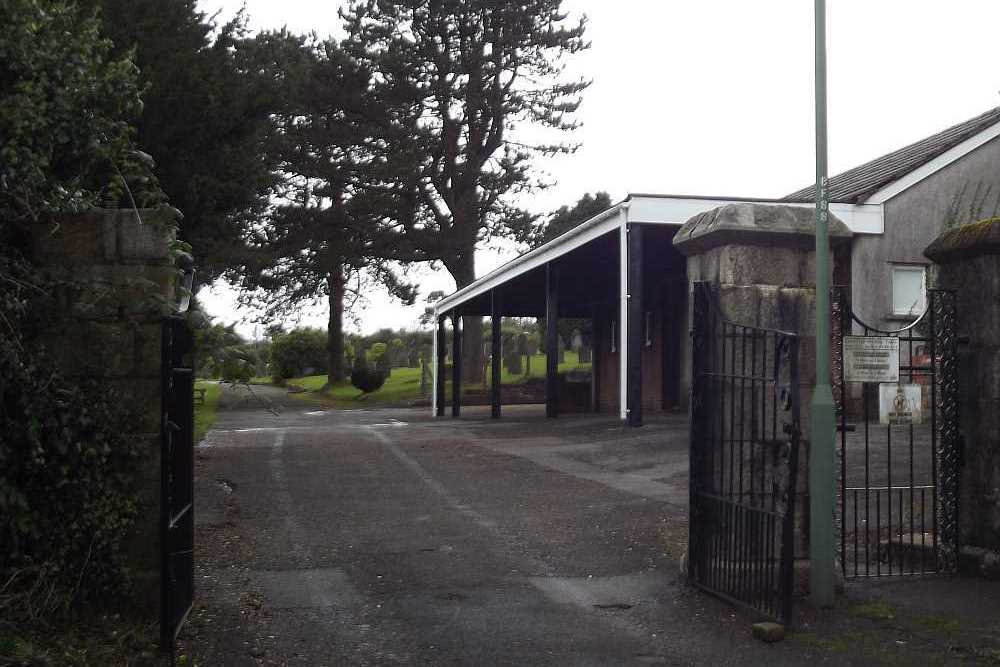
(367, 379)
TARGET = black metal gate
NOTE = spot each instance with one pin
(898, 504)
(744, 459)
(176, 478)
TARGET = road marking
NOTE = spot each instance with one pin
(435, 485)
(296, 535)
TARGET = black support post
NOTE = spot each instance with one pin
(442, 354)
(495, 365)
(597, 347)
(551, 340)
(636, 322)
(456, 365)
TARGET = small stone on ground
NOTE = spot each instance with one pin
(769, 632)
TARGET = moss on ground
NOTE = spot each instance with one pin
(875, 610)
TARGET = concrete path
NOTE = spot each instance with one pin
(386, 537)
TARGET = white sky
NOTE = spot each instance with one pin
(715, 97)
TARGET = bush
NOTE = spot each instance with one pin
(378, 350)
(297, 350)
(68, 485)
(65, 103)
(367, 379)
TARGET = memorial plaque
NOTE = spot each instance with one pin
(900, 404)
(871, 359)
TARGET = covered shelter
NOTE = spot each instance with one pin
(620, 270)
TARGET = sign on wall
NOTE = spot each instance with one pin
(871, 359)
(899, 404)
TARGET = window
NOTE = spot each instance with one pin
(909, 290)
(614, 336)
(649, 328)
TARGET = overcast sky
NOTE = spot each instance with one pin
(715, 97)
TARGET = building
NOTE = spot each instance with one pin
(620, 268)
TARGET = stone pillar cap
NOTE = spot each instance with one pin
(966, 242)
(755, 224)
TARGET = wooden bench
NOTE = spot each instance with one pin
(199, 396)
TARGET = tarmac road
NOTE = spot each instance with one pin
(386, 537)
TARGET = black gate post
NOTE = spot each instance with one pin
(176, 478)
(633, 390)
(945, 326)
(495, 365)
(456, 365)
(442, 354)
(551, 340)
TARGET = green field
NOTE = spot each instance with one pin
(403, 385)
(204, 413)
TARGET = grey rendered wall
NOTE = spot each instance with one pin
(916, 217)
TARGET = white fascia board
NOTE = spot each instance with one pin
(600, 224)
(935, 165)
(670, 210)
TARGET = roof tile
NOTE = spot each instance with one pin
(857, 184)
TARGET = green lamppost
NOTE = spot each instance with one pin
(821, 451)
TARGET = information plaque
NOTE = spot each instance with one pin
(871, 359)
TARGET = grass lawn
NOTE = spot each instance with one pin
(204, 413)
(403, 385)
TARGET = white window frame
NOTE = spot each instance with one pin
(922, 303)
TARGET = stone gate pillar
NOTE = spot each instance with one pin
(119, 278)
(761, 258)
(967, 259)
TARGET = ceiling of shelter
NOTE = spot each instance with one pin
(588, 277)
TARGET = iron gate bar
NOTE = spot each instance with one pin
(900, 527)
(742, 513)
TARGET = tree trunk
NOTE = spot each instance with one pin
(463, 269)
(335, 328)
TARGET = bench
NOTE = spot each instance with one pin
(199, 396)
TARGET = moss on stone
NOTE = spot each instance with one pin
(966, 241)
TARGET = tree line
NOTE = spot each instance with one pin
(299, 168)
(316, 169)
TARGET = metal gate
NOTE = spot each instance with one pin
(176, 478)
(898, 504)
(744, 459)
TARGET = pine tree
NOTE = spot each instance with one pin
(466, 78)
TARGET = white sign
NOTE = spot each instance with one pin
(871, 359)
(899, 404)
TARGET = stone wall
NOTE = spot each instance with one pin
(967, 260)
(118, 279)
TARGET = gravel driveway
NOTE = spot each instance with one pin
(387, 537)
